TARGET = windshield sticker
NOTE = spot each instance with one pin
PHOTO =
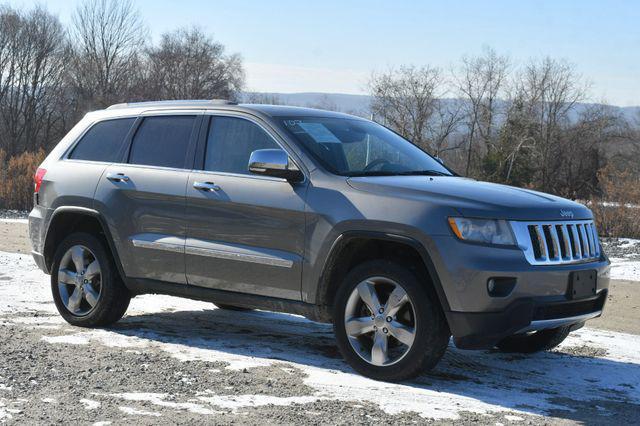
(319, 132)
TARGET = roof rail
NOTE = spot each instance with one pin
(176, 103)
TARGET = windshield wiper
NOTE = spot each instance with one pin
(373, 173)
(407, 173)
(423, 173)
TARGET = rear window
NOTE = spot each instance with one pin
(162, 141)
(103, 141)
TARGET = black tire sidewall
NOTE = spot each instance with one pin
(111, 285)
(432, 334)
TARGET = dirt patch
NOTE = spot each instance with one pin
(14, 237)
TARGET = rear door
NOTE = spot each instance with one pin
(245, 232)
(143, 198)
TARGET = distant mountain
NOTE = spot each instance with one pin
(361, 104)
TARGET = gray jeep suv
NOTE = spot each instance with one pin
(315, 213)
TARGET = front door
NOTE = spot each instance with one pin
(245, 232)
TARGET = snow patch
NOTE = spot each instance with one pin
(90, 404)
(4, 412)
(234, 402)
(625, 269)
(159, 399)
(135, 412)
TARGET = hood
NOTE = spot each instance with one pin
(474, 198)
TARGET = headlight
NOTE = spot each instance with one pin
(486, 231)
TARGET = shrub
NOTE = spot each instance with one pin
(16, 191)
(617, 211)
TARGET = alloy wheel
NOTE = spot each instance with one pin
(380, 321)
(79, 280)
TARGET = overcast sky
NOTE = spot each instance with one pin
(333, 46)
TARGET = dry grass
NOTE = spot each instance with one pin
(16, 175)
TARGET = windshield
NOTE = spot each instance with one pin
(351, 147)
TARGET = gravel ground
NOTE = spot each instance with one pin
(621, 248)
(174, 361)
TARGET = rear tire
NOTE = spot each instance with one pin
(232, 307)
(86, 286)
(419, 323)
(542, 340)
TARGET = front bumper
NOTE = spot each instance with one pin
(540, 299)
(482, 330)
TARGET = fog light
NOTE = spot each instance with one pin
(500, 286)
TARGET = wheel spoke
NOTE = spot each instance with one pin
(92, 270)
(90, 295)
(367, 292)
(397, 299)
(358, 326)
(66, 276)
(379, 353)
(77, 255)
(404, 333)
(74, 301)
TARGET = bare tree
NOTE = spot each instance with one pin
(262, 98)
(407, 100)
(189, 64)
(33, 60)
(108, 36)
(550, 90)
(479, 83)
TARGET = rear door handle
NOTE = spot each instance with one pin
(206, 186)
(117, 177)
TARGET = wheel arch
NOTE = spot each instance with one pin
(68, 219)
(341, 258)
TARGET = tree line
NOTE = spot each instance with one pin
(50, 76)
(489, 118)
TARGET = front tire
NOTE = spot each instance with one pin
(388, 324)
(542, 340)
(86, 286)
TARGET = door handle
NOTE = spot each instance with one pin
(117, 177)
(206, 186)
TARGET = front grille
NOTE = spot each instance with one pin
(554, 243)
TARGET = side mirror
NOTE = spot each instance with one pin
(274, 162)
(440, 160)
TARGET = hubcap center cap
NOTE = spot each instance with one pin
(379, 321)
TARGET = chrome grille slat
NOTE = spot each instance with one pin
(576, 242)
(556, 242)
(585, 242)
(565, 242)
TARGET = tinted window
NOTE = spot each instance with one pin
(231, 142)
(162, 141)
(103, 141)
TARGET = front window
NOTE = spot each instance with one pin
(352, 147)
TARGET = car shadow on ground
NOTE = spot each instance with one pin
(562, 384)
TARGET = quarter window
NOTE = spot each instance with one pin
(162, 141)
(103, 141)
(230, 143)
